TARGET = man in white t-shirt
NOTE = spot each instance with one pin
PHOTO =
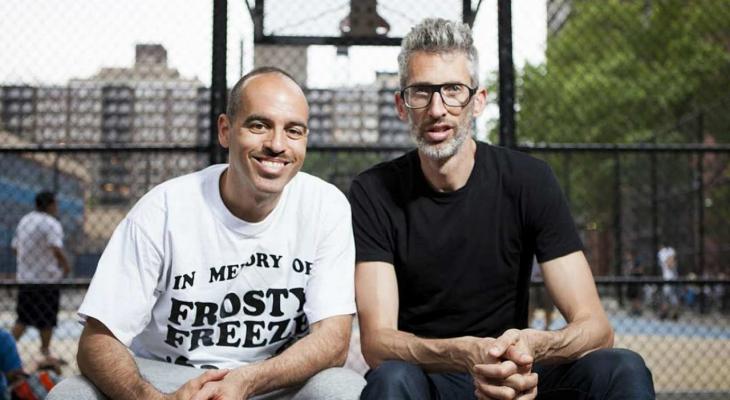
(670, 299)
(38, 246)
(245, 269)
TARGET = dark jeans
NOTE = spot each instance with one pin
(609, 374)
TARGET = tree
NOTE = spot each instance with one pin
(623, 71)
(632, 72)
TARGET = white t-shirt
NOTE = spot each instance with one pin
(669, 272)
(185, 281)
(37, 232)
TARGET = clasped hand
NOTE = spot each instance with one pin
(217, 384)
(504, 368)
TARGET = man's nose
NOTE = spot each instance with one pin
(436, 108)
(276, 141)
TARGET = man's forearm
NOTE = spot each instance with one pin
(569, 282)
(315, 352)
(572, 342)
(108, 364)
(433, 355)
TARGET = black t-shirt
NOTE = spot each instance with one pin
(463, 258)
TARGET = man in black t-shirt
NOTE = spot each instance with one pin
(445, 238)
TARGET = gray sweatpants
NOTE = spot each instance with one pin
(332, 383)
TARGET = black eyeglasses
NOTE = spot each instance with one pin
(452, 94)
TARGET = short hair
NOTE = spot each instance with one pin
(234, 97)
(43, 200)
(438, 35)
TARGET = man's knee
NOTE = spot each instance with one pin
(332, 383)
(620, 368)
(619, 362)
(396, 379)
(75, 387)
(395, 371)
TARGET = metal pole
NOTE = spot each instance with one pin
(466, 13)
(240, 60)
(701, 210)
(506, 75)
(654, 212)
(617, 226)
(566, 177)
(258, 20)
(218, 85)
(56, 173)
(701, 195)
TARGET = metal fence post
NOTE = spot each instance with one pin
(654, 212)
(617, 225)
(467, 15)
(56, 173)
(218, 86)
(701, 209)
(506, 75)
(566, 178)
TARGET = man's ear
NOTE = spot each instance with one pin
(224, 130)
(400, 106)
(480, 101)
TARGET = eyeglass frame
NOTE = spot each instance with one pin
(433, 89)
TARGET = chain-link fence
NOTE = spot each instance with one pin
(628, 72)
(99, 103)
(645, 76)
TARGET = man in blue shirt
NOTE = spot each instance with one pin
(9, 362)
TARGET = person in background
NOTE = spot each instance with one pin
(11, 368)
(15, 382)
(633, 267)
(38, 246)
(670, 299)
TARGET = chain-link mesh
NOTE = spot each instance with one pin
(636, 202)
(628, 72)
(99, 103)
(657, 215)
(360, 18)
(93, 193)
(642, 72)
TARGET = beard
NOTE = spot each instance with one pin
(449, 147)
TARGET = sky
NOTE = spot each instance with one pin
(44, 42)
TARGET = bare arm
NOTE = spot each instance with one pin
(62, 260)
(324, 347)
(376, 290)
(108, 364)
(569, 282)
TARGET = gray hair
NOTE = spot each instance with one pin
(438, 35)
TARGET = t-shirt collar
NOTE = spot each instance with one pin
(211, 186)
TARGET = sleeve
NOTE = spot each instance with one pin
(331, 288)
(9, 359)
(373, 240)
(550, 218)
(54, 236)
(122, 292)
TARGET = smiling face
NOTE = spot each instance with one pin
(440, 130)
(267, 138)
